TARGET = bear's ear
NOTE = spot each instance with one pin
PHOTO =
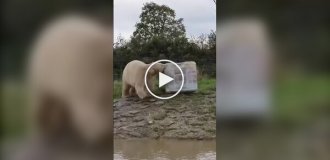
(152, 72)
(162, 67)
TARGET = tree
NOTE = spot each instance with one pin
(212, 40)
(160, 35)
(120, 42)
(201, 41)
(158, 21)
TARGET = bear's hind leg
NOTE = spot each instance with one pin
(141, 92)
(132, 91)
(125, 90)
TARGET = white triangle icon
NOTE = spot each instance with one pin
(164, 79)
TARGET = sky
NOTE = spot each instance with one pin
(199, 16)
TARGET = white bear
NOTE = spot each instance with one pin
(133, 78)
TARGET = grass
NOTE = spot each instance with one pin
(297, 99)
(117, 85)
(300, 98)
(205, 85)
(13, 109)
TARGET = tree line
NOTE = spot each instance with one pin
(160, 35)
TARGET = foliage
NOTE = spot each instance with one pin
(299, 39)
(158, 21)
(160, 35)
(23, 20)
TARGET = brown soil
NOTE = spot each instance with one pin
(186, 116)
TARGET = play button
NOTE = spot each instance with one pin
(164, 79)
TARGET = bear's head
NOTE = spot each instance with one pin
(158, 67)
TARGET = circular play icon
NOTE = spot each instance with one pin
(164, 79)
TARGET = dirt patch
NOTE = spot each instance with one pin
(186, 116)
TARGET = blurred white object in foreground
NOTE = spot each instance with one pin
(243, 69)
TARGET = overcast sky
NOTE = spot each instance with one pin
(199, 16)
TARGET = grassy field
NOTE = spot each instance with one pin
(300, 98)
(14, 104)
(13, 108)
(297, 99)
(205, 85)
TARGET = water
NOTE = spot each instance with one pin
(148, 149)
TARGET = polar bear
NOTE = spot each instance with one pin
(70, 75)
(133, 78)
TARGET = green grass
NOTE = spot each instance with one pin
(13, 109)
(205, 85)
(117, 85)
(297, 99)
(301, 98)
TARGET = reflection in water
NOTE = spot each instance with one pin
(164, 149)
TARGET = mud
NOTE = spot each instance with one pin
(186, 116)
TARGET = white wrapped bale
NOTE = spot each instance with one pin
(189, 70)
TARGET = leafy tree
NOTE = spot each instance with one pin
(158, 21)
(212, 40)
(160, 35)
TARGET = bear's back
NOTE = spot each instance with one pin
(69, 53)
(134, 72)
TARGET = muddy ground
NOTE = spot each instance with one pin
(186, 116)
